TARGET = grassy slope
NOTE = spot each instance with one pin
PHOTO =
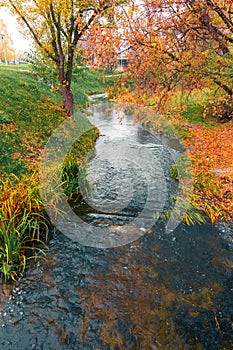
(29, 113)
(86, 83)
(209, 144)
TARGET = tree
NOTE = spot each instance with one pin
(56, 27)
(180, 43)
(6, 43)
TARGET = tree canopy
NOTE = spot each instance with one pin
(179, 43)
(6, 43)
(168, 43)
(56, 27)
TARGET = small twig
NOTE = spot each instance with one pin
(217, 324)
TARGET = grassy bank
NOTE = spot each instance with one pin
(207, 136)
(30, 111)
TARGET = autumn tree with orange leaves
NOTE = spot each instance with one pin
(169, 44)
(183, 44)
(56, 27)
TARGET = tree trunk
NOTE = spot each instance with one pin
(224, 87)
(65, 88)
(67, 98)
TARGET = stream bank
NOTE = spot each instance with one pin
(163, 290)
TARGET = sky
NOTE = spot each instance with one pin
(19, 42)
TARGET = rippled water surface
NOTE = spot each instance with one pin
(161, 291)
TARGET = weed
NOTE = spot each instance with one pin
(72, 165)
(70, 178)
(212, 211)
(23, 222)
(187, 210)
(205, 183)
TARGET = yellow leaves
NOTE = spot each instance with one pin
(212, 211)
(189, 54)
(54, 88)
(6, 44)
(65, 83)
(126, 96)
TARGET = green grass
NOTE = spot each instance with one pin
(29, 113)
(89, 82)
(16, 67)
(189, 108)
(86, 82)
(191, 105)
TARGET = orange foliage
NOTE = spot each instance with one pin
(211, 151)
(170, 45)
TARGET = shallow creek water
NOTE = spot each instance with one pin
(164, 290)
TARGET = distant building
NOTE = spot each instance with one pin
(122, 63)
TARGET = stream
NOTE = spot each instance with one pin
(132, 284)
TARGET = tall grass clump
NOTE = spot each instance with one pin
(24, 226)
(74, 164)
